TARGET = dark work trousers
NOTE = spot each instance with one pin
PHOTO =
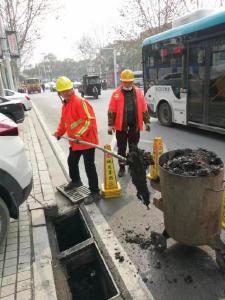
(131, 136)
(89, 164)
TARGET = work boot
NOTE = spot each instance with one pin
(121, 171)
(93, 197)
(72, 185)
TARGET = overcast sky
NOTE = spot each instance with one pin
(64, 29)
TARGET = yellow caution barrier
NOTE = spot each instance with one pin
(111, 187)
(223, 219)
(157, 152)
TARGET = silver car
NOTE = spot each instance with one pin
(23, 97)
(15, 173)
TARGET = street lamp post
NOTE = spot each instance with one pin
(114, 64)
(115, 67)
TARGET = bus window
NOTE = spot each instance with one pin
(170, 68)
(169, 63)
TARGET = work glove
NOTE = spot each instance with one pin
(147, 127)
(111, 129)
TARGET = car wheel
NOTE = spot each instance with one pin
(4, 220)
(165, 114)
(82, 94)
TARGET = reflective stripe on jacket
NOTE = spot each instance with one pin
(116, 106)
(79, 122)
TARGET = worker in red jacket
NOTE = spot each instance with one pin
(78, 122)
(126, 114)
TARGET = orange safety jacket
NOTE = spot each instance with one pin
(116, 106)
(79, 122)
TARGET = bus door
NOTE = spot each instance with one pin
(197, 77)
(216, 102)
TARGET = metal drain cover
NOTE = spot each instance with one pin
(75, 195)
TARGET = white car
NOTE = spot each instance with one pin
(15, 174)
(23, 97)
(52, 86)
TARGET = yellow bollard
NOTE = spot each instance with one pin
(157, 152)
(111, 187)
(223, 219)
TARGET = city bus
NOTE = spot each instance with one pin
(184, 73)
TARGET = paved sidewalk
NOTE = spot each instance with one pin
(25, 257)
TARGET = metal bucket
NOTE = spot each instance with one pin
(192, 206)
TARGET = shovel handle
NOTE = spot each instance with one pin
(77, 141)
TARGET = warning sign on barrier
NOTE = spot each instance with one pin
(111, 187)
(157, 152)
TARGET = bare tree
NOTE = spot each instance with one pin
(87, 47)
(152, 16)
(91, 43)
(25, 17)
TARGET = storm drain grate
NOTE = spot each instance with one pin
(75, 195)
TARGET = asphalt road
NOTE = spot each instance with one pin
(181, 272)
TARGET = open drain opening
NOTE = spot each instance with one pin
(88, 276)
(71, 230)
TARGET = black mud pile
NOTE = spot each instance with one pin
(139, 239)
(138, 161)
(189, 162)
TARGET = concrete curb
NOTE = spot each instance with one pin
(44, 284)
(127, 271)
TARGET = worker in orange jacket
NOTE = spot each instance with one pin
(126, 114)
(78, 122)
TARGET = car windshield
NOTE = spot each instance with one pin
(93, 80)
(9, 93)
(32, 81)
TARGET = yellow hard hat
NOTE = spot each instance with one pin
(63, 83)
(127, 75)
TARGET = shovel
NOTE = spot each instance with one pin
(77, 141)
(142, 191)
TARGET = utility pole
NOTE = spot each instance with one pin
(1, 85)
(114, 64)
(1, 82)
(6, 56)
(115, 67)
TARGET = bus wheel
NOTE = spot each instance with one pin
(165, 114)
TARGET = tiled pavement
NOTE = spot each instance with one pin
(25, 257)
